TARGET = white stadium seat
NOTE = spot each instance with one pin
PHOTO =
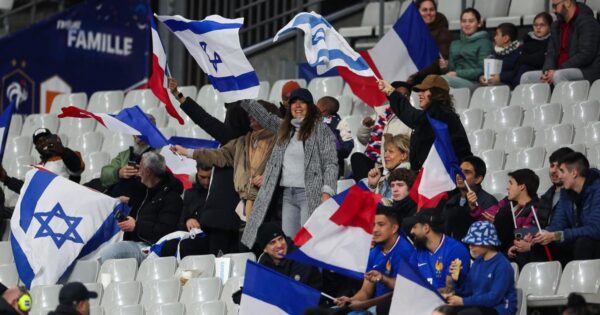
(370, 19)
(88, 143)
(70, 99)
(160, 291)
(530, 95)
(6, 256)
(8, 274)
(567, 93)
(116, 143)
(157, 269)
(204, 265)
(232, 285)
(122, 293)
(45, 296)
(76, 126)
(518, 9)
(346, 105)
(452, 10)
(327, 86)
(592, 133)
(594, 93)
(460, 96)
(263, 91)
(539, 279)
(472, 119)
(482, 139)
(200, 290)
(35, 121)
(492, 8)
(165, 309)
(531, 158)
(209, 99)
(546, 115)
(17, 146)
(545, 182)
(160, 115)
(145, 99)
(239, 262)
(84, 271)
(496, 182)
(208, 308)
(585, 112)
(106, 102)
(490, 97)
(494, 159)
(120, 270)
(505, 117)
(134, 309)
(16, 124)
(559, 135)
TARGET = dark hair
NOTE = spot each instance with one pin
(442, 97)
(545, 16)
(576, 305)
(559, 154)
(478, 165)
(403, 175)
(528, 178)
(576, 160)
(508, 29)
(472, 11)
(390, 213)
(202, 167)
(331, 103)
(446, 310)
(306, 126)
(418, 3)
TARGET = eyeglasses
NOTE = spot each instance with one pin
(555, 5)
(540, 24)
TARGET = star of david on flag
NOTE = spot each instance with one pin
(48, 224)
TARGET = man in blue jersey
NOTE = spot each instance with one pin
(390, 247)
(435, 251)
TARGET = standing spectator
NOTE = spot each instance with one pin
(286, 91)
(371, 132)
(438, 27)
(534, 47)
(507, 48)
(435, 102)
(218, 218)
(457, 210)
(573, 51)
(395, 157)
(74, 299)
(465, 65)
(549, 200)
(329, 107)
(303, 162)
(489, 287)
(574, 232)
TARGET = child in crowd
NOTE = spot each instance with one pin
(396, 153)
(533, 50)
(507, 49)
(329, 106)
(400, 182)
(489, 287)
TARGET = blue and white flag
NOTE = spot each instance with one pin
(51, 229)
(324, 47)
(5, 126)
(413, 295)
(266, 291)
(215, 45)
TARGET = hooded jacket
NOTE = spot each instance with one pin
(467, 54)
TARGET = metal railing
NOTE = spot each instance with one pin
(33, 7)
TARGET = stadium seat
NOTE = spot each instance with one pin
(592, 133)
(19, 166)
(203, 264)
(88, 142)
(35, 121)
(160, 291)
(96, 310)
(585, 112)
(76, 126)
(344, 184)
(515, 268)
(354, 122)
(116, 143)
(160, 115)
(494, 159)
(209, 99)
(545, 182)
(594, 155)
(10, 197)
(106, 102)
(208, 308)
(4, 230)
(461, 96)
(345, 105)
(490, 97)
(8, 273)
(525, 9)
(327, 86)
(546, 115)
(125, 310)
(94, 162)
(16, 124)
(200, 290)
(18, 146)
(275, 94)
(362, 109)
(496, 182)
(482, 139)
(452, 10)
(492, 8)
(145, 99)
(84, 271)
(567, 93)
(41, 311)
(45, 296)
(165, 309)
(505, 117)
(219, 111)
(96, 287)
(531, 158)
(472, 119)
(122, 293)
(231, 286)
(594, 93)
(370, 19)
(156, 269)
(70, 99)
(120, 270)
(559, 135)
(530, 95)
(263, 90)
(239, 262)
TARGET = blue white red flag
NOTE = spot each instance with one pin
(266, 291)
(338, 235)
(49, 225)
(438, 174)
(5, 126)
(413, 295)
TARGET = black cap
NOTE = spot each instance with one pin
(431, 216)
(40, 132)
(301, 94)
(74, 292)
(266, 233)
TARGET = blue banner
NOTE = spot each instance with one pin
(97, 45)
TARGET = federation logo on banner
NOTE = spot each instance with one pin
(18, 85)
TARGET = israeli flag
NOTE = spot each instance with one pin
(215, 45)
(57, 221)
(324, 47)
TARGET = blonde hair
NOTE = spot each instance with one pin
(402, 142)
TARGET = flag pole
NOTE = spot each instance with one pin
(537, 222)
(512, 212)
(328, 296)
(469, 190)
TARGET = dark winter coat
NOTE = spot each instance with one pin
(193, 204)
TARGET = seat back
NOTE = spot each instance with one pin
(472, 119)
(239, 262)
(200, 290)
(120, 270)
(45, 296)
(232, 285)
(460, 96)
(494, 159)
(490, 97)
(161, 291)
(531, 158)
(328, 86)
(145, 99)
(540, 278)
(106, 102)
(125, 310)
(581, 276)
(157, 269)
(482, 139)
(84, 271)
(492, 8)
(529, 7)
(585, 112)
(530, 95)
(69, 99)
(371, 13)
(122, 293)
(570, 92)
(165, 309)
(203, 264)
(95, 287)
(8, 274)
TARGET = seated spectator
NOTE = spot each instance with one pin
(438, 28)
(535, 43)
(400, 182)
(434, 102)
(522, 191)
(465, 65)
(572, 52)
(286, 92)
(194, 198)
(458, 207)
(154, 217)
(371, 132)
(574, 231)
(74, 298)
(489, 287)
(14, 301)
(329, 107)
(395, 157)
(576, 305)
(549, 200)
(54, 157)
(507, 49)
(390, 246)
(435, 251)
(275, 245)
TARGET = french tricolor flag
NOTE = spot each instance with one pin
(338, 235)
(158, 80)
(438, 174)
(415, 296)
(405, 49)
